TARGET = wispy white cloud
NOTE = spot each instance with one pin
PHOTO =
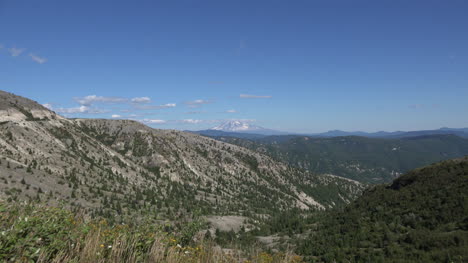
(191, 121)
(38, 59)
(88, 100)
(16, 51)
(199, 121)
(231, 111)
(149, 121)
(152, 121)
(156, 107)
(141, 100)
(197, 103)
(140, 103)
(250, 96)
(116, 116)
(81, 109)
(168, 105)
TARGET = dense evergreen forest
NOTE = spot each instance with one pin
(421, 217)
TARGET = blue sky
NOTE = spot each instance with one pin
(300, 66)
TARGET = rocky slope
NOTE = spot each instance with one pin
(120, 168)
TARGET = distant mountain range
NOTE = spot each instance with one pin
(462, 132)
(246, 130)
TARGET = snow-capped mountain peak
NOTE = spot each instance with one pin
(236, 126)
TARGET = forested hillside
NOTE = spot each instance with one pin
(369, 160)
(421, 217)
(123, 170)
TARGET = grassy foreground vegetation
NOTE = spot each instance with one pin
(421, 217)
(37, 233)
